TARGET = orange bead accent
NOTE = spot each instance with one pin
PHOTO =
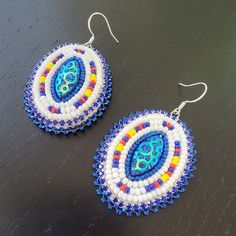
(173, 166)
(123, 142)
(90, 88)
(140, 126)
(156, 184)
(83, 100)
(117, 157)
(123, 187)
(54, 110)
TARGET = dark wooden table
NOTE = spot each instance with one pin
(46, 183)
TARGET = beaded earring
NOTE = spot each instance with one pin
(69, 87)
(145, 161)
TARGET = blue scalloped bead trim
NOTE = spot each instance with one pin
(160, 185)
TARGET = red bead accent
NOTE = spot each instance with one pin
(90, 88)
(45, 75)
(42, 87)
(83, 100)
(156, 184)
(140, 126)
(168, 125)
(93, 82)
(123, 142)
(54, 110)
(127, 136)
(47, 70)
(93, 69)
(177, 150)
(169, 173)
(173, 166)
(117, 157)
(56, 59)
(123, 187)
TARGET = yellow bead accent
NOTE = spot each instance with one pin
(93, 77)
(175, 160)
(132, 132)
(50, 65)
(165, 177)
(119, 147)
(42, 79)
(88, 93)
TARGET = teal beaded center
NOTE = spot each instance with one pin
(68, 78)
(146, 156)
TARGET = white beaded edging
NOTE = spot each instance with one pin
(138, 193)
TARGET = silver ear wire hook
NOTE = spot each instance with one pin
(90, 30)
(176, 111)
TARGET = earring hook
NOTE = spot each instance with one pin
(176, 111)
(90, 30)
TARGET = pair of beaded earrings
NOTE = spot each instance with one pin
(146, 159)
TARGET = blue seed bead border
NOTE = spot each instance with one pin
(159, 164)
(153, 206)
(102, 102)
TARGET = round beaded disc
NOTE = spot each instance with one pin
(144, 162)
(68, 89)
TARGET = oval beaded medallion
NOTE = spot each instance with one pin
(144, 162)
(68, 89)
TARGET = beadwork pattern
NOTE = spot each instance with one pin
(69, 75)
(144, 162)
(69, 88)
(145, 155)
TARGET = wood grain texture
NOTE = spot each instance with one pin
(46, 181)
